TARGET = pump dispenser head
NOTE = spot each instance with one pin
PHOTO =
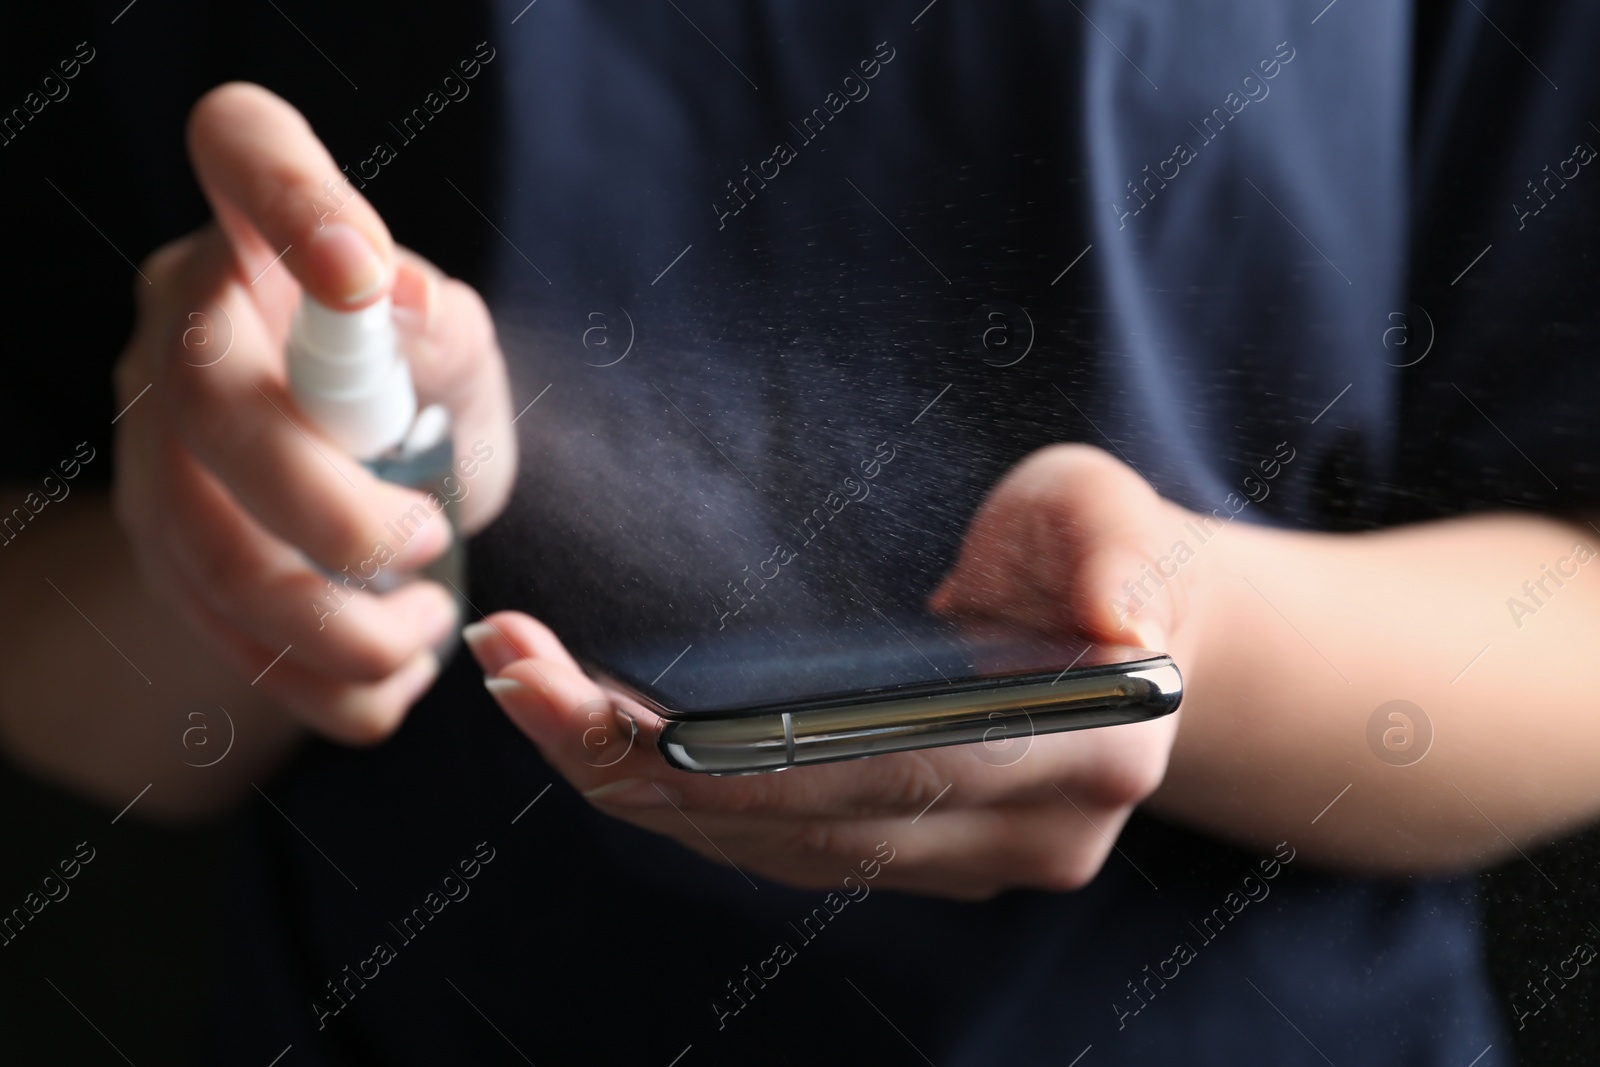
(349, 377)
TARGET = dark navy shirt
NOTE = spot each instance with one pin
(732, 252)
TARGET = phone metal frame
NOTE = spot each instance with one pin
(926, 716)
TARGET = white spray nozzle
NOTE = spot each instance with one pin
(349, 377)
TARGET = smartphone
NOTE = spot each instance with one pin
(765, 700)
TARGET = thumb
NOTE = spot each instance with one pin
(1121, 597)
(276, 192)
(1100, 589)
(1066, 542)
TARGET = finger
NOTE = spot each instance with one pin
(499, 640)
(335, 626)
(264, 171)
(594, 737)
(346, 712)
(603, 742)
(237, 416)
(352, 713)
(456, 361)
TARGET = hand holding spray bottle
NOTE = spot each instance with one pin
(349, 375)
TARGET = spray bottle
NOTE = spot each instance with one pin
(349, 375)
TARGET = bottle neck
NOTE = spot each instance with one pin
(349, 376)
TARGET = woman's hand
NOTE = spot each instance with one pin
(235, 507)
(1051, 548)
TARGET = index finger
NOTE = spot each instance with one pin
(276, 192)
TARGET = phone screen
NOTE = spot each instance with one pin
(762, 671)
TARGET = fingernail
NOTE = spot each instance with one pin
(634, 793)
(348, 257)
(492, 651)
(428, 543)
(490, 647)
(529, 710)
(416, 300)
(500, 688)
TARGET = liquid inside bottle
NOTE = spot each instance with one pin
(424, 461)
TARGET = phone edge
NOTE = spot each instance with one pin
(777, 741)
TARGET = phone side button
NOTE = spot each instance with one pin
(788, 736)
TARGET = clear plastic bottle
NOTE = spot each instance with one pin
(349, 375)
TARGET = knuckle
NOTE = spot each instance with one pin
(347, 534)
(908, 781)
(164, 267)
(1076, 454)
(205, 416)
(1123, 783)
(1068, 867)
(467, 302)
(366, 721)
(295, 206)
(819, 838)
(466, 330)
(1064, 453)
(1065, 875)
(369, 728)
(1082, 476)
(1051, 465)
(372, 660)
(323, 609)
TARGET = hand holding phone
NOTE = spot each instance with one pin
(1049, 550)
